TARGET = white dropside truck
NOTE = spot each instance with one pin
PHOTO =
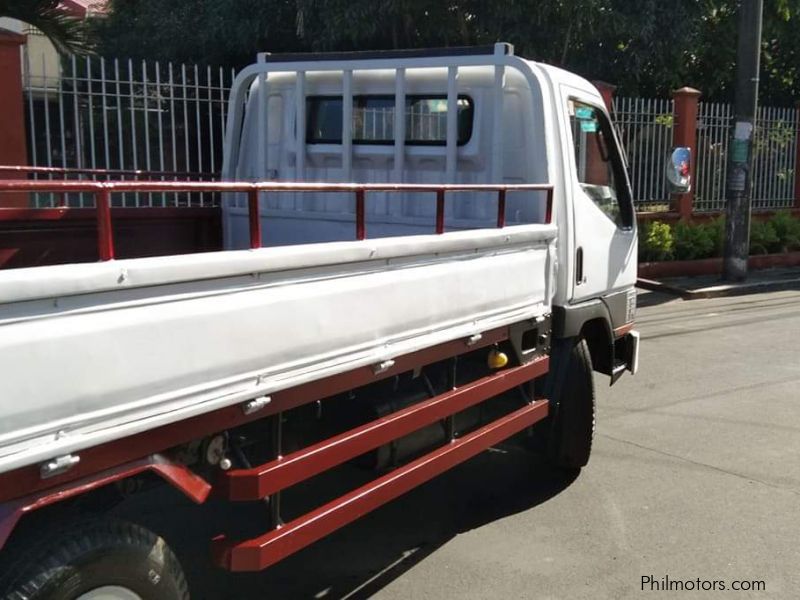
(449, 253)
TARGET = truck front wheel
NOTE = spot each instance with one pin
(100, 559)
(571, 428)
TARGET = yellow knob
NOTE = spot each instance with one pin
(497, 359)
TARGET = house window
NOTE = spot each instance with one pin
(373, 120)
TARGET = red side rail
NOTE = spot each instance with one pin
(269, 479)
(261, 481)
(102, 191)
(264, 551)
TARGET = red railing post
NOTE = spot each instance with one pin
(684, 133)
(440, 210)
(548, 215)
(105, 235)
(607, 92)
(361, 224)
(255, 219)
(13, 149)
(501, 208)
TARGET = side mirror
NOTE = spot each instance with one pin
(679, 170)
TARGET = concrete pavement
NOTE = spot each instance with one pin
(712, 286)
(695, 475)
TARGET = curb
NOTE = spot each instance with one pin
(657, 286)
(719, 291)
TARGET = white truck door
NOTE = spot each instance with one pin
(604, 224)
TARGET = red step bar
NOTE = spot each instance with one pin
(266, 550)
(269, 479)
(266, 479)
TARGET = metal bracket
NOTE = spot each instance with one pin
(58, 465)
(255, 405)
(474, 339)
(382, 367)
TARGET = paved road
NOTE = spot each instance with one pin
(695, 474)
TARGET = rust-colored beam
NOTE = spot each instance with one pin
(254, 218)
(266, 550)
(266, 479)
(103, 190)
(440, 211)
(179, 476)
(105, 235)
(361, 215)
(501, 208)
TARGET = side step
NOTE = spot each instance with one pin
(261, 552)
(274, 476)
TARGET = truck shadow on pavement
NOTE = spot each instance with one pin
(645, 299)
(362, 558)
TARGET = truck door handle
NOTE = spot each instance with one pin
(579, 266)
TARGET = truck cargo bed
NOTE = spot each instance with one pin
(95, 352)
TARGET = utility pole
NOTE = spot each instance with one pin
(740, 148)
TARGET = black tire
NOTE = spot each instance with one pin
(88, 555)
(572, 426)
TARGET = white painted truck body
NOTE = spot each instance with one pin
(96, 352)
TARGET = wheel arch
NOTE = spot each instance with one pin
(590, 321)
(597, 334)
(178, 476)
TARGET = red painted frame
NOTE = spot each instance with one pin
(104, 189)
(179, 476)
(266, 479)
(263, 551)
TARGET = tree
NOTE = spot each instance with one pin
(66, 33)
(648, 47)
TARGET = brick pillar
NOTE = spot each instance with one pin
(684, 133)
(797, 162)
(607, 92)
(13, 150)
(596, 167)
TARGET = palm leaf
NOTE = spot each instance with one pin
(67, 34)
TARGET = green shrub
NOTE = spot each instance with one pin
(763, 238)
(688, 241)
(655, 242)
(694, 241)
(787, 228)
(716, 230)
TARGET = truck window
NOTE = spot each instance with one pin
(598, 165)
(373, 120)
